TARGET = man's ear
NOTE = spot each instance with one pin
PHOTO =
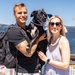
(33, 13)
(14, 15)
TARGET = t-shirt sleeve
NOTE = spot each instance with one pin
(15, 36)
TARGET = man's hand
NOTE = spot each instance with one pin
(42, 37)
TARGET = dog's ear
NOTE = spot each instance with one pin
(33, 13)
(49, 15)
(43, 10)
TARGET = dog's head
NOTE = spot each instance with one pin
(39, 16)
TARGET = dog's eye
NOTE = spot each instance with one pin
(36, 31)
(41, 13)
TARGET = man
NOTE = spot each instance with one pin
(26, 61)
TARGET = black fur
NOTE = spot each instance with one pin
(35, 27)
(39, 18)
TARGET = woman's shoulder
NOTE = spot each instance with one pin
(63, 40)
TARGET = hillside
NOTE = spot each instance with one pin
(3, 27)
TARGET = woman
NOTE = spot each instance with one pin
(57, 56)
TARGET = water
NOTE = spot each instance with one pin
(70, 35)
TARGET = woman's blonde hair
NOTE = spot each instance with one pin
(62, 32)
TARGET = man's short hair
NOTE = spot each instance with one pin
(18, 5)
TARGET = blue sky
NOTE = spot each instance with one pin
(64, 8)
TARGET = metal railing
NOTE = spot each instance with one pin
(72, 64)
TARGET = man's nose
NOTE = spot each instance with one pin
(22, 14)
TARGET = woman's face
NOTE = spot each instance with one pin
(55, 26)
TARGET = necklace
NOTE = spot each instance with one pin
(55, 42)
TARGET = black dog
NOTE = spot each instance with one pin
(39, 18)
(35, 28)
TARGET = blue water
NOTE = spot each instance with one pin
(70, 35)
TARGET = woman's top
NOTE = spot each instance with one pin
(53, 52)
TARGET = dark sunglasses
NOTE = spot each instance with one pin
(57, 23)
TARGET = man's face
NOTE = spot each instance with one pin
(21, 15)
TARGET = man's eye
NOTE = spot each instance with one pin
(20, 13)
(25, 12)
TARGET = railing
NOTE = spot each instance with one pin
(71, 67)
(72, 56)
(72, 64)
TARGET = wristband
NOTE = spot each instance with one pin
(48, 60)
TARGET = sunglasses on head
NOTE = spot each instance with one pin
(57, 23)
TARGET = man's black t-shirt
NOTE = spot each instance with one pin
(25, 64)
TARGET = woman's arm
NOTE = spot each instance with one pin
(65, 52)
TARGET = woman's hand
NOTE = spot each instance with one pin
(42, 56)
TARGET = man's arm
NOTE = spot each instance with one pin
(22, 48)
